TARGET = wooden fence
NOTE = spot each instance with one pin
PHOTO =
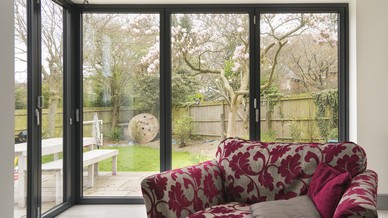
(211, 119)
(288, 115)
(103, 113)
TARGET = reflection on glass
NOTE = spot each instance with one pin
(52, 116)
(20, 132)
(121, 102)
(299, 77)
(210, 83)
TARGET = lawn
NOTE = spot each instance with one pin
(138, 158)
(141, 159)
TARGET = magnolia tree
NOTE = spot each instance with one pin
(113, 48)
(202, 45)
(205, 46)
(214, 48)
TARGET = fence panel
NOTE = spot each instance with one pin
(103, 113)
(211, 119)
(287, 114)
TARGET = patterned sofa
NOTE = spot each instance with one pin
(246, 172)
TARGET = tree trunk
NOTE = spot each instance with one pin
(115, 115)
(232, 118)
(52, 111)
(235, 101)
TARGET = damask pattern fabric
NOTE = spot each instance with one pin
(180, 192)
(248, 172)
(257, 171)
(229, 210)
(359, 200)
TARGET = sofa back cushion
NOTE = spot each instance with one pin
(255, 171)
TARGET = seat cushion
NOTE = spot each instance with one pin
(300, 206)
(232, 210)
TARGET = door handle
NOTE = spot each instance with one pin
(77, 115)
(37, 115)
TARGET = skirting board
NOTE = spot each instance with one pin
(382, 202)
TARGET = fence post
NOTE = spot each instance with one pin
(268, 115)
(222, 118)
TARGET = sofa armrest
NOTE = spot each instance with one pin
(360, 198)
(180, 192)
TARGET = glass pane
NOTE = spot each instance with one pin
(299, 77)
(121, 102)
(52, 116)
(210, 83)
(20, 170)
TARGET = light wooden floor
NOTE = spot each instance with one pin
(118, 211)
(105, 211)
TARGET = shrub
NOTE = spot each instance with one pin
(268, 136)
(183, 129)
(114, 134)
(333, 134)
(296, 131)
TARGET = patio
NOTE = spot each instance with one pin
(106, 185)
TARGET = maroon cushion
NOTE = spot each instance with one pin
(326, 188)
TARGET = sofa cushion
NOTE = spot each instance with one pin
(326, 188)
(256, 171)
(300, 206)
(232, 210)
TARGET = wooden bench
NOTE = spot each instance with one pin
(90, 160)
(52, 146)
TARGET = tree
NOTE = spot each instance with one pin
(21, 96)
(313, 57)
(52, 52)
(113, 49)
(314, 64)
(214, 48)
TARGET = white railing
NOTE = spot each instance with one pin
(97, 129)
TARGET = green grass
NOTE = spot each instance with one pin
(50, 157)
(138, 158)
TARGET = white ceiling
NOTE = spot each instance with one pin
(158, 2)
(197, 1)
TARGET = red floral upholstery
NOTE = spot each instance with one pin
(360, 199)
(178, 193)
(230, 210)
(257, 171)
(249, 172)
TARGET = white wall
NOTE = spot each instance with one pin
(6, 107)
(372, 85)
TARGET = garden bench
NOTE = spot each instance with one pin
(90, 160)
(51, 146)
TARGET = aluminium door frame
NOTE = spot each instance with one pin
(73, 83)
